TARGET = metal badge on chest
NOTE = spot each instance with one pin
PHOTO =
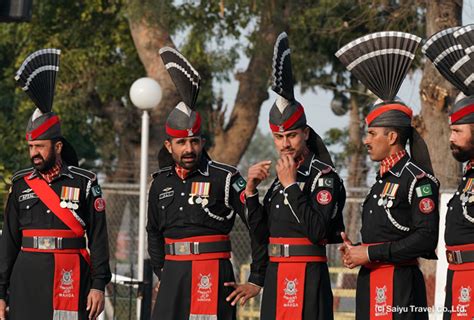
(388, 195)
(70, 198)
(199, 193)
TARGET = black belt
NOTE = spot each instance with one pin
(185, 247)
(53, 243)
(289, 250)
(458, 257)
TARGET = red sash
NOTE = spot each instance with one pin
(381, 287)
(462, 286)
(204, 277)
(67, 273)
(291, 279)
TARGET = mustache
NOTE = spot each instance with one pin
(453, 147)
(37, 157)
(189, 155)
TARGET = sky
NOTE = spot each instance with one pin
(317, 102)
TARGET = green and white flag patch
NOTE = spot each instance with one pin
(423, 191)
(326, 182)
(239, 184)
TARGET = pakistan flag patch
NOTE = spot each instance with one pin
(423, 191)
(239, 184)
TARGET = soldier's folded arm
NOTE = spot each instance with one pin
(156, 241)
(314, 212)
(10, 244)
(423, 237)
(98, 243)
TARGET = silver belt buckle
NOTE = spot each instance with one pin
(182, 248)
(45, 243)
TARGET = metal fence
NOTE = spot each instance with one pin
(122, 211)
(122, 220)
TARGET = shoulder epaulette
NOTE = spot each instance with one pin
(21, 173)
(223, 166)
(156, 173)
(83, 172)
(321, 166)
(416, 171)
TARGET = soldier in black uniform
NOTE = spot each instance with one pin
(400, 213)
(302, 210)
(459, 232)
(193, 202)
(47, 268)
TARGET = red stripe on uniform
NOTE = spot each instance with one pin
(33, 134)
(204, 289)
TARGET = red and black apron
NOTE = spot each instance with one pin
(66, 245)
(205, 253)
(292, 261)
(460, 284)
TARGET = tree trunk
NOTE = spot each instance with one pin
(253, 90)
(436, 98)
(357, 169)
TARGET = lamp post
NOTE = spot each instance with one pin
(145, 94)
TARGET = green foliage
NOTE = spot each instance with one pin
(98, 64)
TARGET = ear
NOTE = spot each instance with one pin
(306, 133)
(203, 141)
(58, 147)
(168, 145)
(392, 138)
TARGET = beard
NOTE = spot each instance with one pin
(46, 163)
(188, 161)
(462, 154)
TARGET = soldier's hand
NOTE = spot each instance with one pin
(242, 292)
(286, 170)
(356, 256)
(344, 247)
(256, 174)
(3, 309)
(95, 303)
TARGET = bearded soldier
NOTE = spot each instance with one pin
(47, 268)
(302, 210)
(193, 201)
(400, 213)
(451, 52)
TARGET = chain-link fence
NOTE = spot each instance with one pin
(122, 214)
(122, 211)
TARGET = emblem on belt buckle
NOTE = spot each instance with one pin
(46, 243)
(274, 250)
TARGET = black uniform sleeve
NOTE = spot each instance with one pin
(98, 239)
(156, 241)
(259, 250)
(10, 242)
(313, 210)
(423, 236)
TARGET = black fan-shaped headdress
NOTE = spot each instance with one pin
(37, 77)
(380, 60)
(451, 51)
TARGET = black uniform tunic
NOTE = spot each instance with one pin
(459, 228)
(407, 228)
(28, 276)
(301, 216)
(170, 215)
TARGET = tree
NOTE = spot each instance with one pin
(437, 96)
